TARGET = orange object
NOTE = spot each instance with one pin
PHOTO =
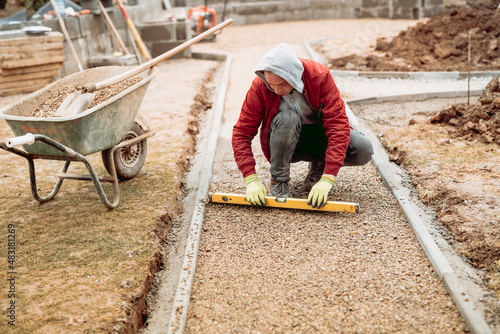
(133, 30)
(201, 10)
(85, 11)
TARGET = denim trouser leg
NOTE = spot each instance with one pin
(283, 138)
(360, 150)
(290, 141)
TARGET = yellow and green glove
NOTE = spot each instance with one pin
(318, 196)
(256, 192)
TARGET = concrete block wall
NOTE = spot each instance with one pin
(252, 11)
(161, 37)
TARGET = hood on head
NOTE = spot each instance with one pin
(282, 61)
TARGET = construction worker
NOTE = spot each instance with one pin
(302, 117)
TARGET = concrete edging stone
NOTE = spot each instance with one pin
(453, 75)
(391, 174)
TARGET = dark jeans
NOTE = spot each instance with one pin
(290, 141)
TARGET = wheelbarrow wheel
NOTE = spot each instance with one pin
(130, 159)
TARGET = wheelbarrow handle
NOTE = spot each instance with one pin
(28, 138)
(95, 86)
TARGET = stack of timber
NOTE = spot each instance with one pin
(29, 62)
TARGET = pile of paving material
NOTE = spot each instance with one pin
(29, 62)
(478, 121)
(440, 43)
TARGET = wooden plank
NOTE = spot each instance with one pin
(30, 40)
(30, 69)
(21, 90)
(35, 82)
(31, 48)
(28, 76)
(291, 203)
(27, 55)
(32, 62)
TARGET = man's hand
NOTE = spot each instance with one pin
(319, 193)
(256, 192)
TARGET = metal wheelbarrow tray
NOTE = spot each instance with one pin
(110, 127)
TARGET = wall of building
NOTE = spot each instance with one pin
(251, 11)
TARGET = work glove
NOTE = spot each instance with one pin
(318, 196)
(256, 192)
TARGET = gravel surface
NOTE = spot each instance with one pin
(270, 270)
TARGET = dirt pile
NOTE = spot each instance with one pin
(440, 43)
(478, 121)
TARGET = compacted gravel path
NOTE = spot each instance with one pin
(270, 270)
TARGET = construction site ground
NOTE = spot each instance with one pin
(85, 268)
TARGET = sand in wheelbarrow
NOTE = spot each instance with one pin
(49, 107)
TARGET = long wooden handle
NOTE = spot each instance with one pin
(131, 26)
(95, 86)
(112, 27)
(66, 34)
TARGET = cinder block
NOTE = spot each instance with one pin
(181, 30)
(374, 3)
(73, 27)
(158, 48)
(103, 60)
(157, 31)
(255, 9)
(383, 12)
(321, 4)
(405, 3)
(429, 12)
(366, 12)
(87, 25)
(12, 26)
(403, 13)
(117, 18)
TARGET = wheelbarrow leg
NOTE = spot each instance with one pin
(93, 175)
(72, 155)
(34, 190)
(31, 165)
(98, 186)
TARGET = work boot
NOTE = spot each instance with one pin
(280, 189)
(316, 169)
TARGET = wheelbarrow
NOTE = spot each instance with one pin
(111, 127)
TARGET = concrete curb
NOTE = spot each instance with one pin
(385, 75)
(469, 312)
(391, 175)
(181, 302)
(414, 97)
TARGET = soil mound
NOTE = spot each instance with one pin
(440, 43)
(479, 121)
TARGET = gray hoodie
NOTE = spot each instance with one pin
(282, 61)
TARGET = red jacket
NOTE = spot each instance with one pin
(261, 105)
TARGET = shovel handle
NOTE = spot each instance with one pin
(95, 86)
